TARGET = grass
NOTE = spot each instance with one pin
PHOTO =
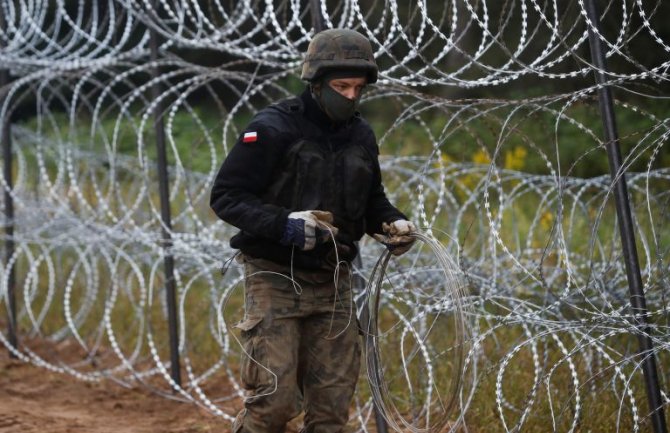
(554, 397)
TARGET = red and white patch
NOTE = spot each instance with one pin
(250, 137)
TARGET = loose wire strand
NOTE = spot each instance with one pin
(451, 303)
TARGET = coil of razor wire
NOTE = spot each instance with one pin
(446, 299)
(549, 332)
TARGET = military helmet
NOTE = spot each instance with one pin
(337, 50)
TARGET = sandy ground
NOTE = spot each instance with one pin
(33, 399)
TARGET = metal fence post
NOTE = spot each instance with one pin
(5, 136)
(166, 220)
(635, 286)
(317, 17)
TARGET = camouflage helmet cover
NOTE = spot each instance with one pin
(338, 50)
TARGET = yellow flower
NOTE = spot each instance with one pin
(443, 161)
(516, 159)
(546, 220)
(481, 157)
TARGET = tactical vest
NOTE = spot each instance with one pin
(316, 174)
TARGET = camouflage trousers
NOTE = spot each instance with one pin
(302, 349)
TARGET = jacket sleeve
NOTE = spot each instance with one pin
(243, 178)
(379, 209)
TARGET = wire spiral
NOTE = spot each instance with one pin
(442, 286)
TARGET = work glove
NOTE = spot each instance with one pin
(397, 237)
(307, 229)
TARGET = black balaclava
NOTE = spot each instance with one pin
(337, 106)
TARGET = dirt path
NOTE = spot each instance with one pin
(36, 400)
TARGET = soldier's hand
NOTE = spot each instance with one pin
(397, 236)
(307, 229)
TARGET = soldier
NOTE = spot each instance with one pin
(303, 184)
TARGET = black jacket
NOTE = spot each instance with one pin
(299, 160)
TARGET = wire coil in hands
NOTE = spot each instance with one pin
(415, 394)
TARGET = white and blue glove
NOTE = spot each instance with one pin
(307, 229)
(397, 236)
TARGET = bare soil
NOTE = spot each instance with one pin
(33, 399)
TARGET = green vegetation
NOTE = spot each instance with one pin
(521, 136)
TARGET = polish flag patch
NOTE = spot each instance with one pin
(250, 137)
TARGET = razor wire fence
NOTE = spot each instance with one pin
(491, 141)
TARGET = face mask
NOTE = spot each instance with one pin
(339, 108)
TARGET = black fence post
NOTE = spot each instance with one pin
(635, 286)
(317, 17)
(166, 220)
(5, 136)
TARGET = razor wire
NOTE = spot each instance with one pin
(542, 297)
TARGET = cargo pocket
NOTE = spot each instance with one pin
(253, 367)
